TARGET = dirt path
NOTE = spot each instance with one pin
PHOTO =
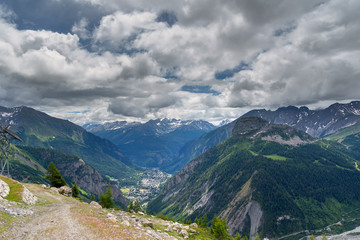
(50, 221)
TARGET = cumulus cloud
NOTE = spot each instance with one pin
(184, 59)
(319, 61)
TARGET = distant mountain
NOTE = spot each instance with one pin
(30, 165)
(155, 143)
(195, 147)
(38, 129)
(266, 178)
(318, 123)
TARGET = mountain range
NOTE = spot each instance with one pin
(155, 143)
(270, 179)
(334, 122)
(317, 123)
(38, 129)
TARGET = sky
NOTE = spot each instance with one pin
(135, 60)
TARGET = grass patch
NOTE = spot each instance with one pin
(16, 190)
(276, 157)
(125, 190)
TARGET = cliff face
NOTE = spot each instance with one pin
(89, 179)
(71, 167)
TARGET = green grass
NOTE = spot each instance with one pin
(125, 190)
(276, 157)
(5, 221)
(16, 190)
(340, 135)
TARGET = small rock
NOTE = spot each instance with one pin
(186, 227)
(133, 216)
(194, 225)
(95, 205)
(141, 213)
(126, 223)
(184, 233)
(147, 223)
(169, 229)
(192, 230)
(111, 217)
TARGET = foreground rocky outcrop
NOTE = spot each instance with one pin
(4, 189)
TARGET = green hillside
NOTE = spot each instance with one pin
(30, 164)
(264, 186)
(38, 129)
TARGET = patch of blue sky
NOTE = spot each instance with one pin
(228, 73)
(199, 89)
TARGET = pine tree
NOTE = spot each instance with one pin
(54, 176)
(219, 228)
(92, 197)
(134, 206)
(106, 200)
(75, 191)
(204, 221)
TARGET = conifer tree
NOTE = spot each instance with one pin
(54, 176)
(219, 228)
(134, 206)
(106, 200)
(75, 191)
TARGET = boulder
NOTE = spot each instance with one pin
(28, 197)
(4, 189)
(65, 190)
(54, 190)
(147, 223)
(192, 230)
(194, 225)
(95, 205)
(184, 233)
(169, 229)
(186, 227)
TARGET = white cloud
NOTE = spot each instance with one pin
(114, 29)
(298, 52)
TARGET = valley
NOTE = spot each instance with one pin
(148, 185)
(266, 177)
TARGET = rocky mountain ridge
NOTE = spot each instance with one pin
(317, 123)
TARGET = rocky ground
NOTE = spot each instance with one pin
(55, 216)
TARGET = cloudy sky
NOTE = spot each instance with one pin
(104, 60)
